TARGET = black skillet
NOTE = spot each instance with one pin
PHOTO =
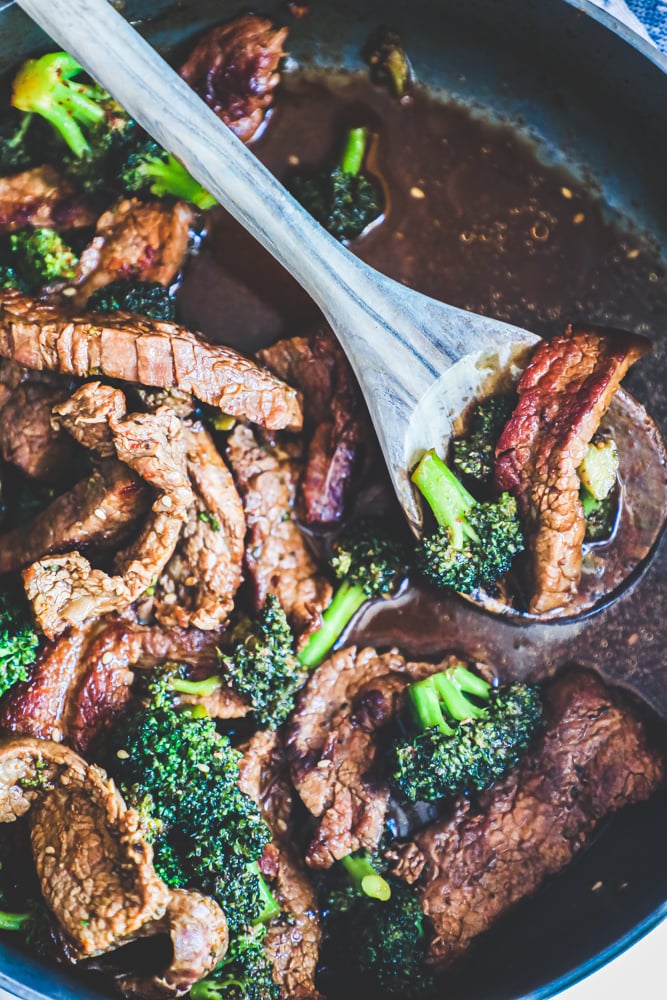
(594, 102)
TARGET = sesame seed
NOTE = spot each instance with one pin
(579, 218)
(417, 192)
(566, 193)
(122, 755)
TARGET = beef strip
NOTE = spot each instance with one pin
(27, 438)
(333, 747)
(85, 415)
(131, 348)
(563, 394)
(65, 590)
(234, 68)
(200, 581)
(94, 866)
(100, 512)
(293, 940)
(42, 198)
(136, 241)
(277, 558)
(336, 421)
(594, 758)
(198, 931)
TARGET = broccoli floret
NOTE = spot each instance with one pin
(41, 256)
(469, 734)
(599, 488)
(47, 87)
(343, 199)
(473, 455)
(149, 298)
(474, 543)
(261, 666)
(244, 973)
(149, 168)
(388, 62)
(15, 152)
(9, 278)
(207, 834)
(368, 564)
(18, 643)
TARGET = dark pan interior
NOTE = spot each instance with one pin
(598, 105)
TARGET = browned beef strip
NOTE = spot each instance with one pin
(100, 512)
(293, 940)
(335, 417)
(42, 198)
(563, 394)
(234, 68)
(94, 866)
(27, 438)
(135, 241)
(85, 415)
(277, 558)
(200, 581)
(595, 758)
(198, 931)
(65, 590)
(131, 348)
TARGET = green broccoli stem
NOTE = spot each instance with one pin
(200, 689)
(445, 692)
(12, 921)
(364, 877)
(270, 906)
(169, 177)
(354, 151)
(345, 603)
(449, 500)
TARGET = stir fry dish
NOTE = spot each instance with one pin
(200, 774)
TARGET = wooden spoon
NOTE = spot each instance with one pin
(419, 362)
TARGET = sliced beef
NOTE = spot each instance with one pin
(563, 394)
(336, 420)
(594, 759)
(234, 68)
(99, 513)
(333, 745)
(42, 198)
(27, 438)
(200, 581)
(85, 415)
(277, 558)
(94, 866)
(130, 348)
(293, 940)
(66, 590)
(198, 931)
(135, 241)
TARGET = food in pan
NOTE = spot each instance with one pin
(200, 776)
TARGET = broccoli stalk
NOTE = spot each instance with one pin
(47, 87)
(599, 488)
(149, 168)
(344, 199)
(368, 565)
(364, 878)
(475, 543)
(13, 921)
(469, 733)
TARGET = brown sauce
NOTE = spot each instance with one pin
(476, 219)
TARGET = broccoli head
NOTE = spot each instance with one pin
(15, 151)
(468, 734)
(149, 298)
(207, 834)
(244, 974)
(18, 643)
(41, 256)
(150, 169)
(9, 278)
(474, 454)
(368, 564)
(475, 543)
(343, 199)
